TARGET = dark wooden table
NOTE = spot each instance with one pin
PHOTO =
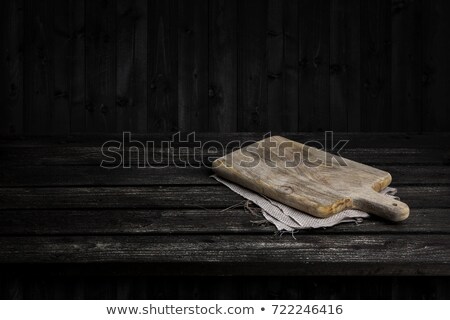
(62, 212)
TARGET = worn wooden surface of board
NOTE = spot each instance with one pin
(60, 211)
(308, 179)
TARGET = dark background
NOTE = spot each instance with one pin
(73, 66)
(255, 65)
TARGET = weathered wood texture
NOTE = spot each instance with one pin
(132, 65)
(164, 197)
(376, 66)
(92, 155)
(310, 180)
(82, 175)
(222, 85)
(243, 255)
(252, 69)
(224, 66)
(236, 221)
(345, 65)
(11, 66)
(63, 218)
(314, 65)
(163, 66)
(101, 59)
(435, 64)
(58, 206)
(193, 112)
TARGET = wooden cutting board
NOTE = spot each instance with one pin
(309, 179)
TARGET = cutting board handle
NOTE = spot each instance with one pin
(382, 206)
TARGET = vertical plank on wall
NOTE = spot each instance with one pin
(406, 66)
(77, 67)
(131, 99)
(252, 66)
(38, 73)
(314, 65)
(47, 75)
(274, 47)
(100, 66)
(345, 65)
(163, 66)
(435, 77)
(290, 66)
(282, 65)
(193, 65)
(222, 89)
(11, 67)
(376, 65)
(60, 54)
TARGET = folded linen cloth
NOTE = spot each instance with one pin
(286, 218)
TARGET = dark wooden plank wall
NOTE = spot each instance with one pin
(11, 66)
(282, 65)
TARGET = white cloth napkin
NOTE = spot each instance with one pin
(286, 218)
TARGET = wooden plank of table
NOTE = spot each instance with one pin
(48, 176)
(355, 140)
(196, 221)
(255, 254)
(39, 176)
(213, 196)
(93, 156)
